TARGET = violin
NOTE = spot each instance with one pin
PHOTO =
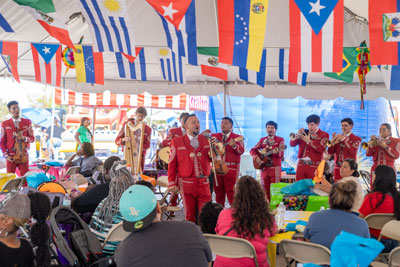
(219, 165)
(19, 148)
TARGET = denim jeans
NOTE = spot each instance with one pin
(57, 142)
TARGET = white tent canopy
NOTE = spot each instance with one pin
(148, 32)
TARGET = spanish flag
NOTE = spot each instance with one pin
(89, 65)
(241, 26)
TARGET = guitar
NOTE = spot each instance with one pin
(266, 158)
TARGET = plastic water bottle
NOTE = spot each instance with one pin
(67, 200)
(281, 216)
(322, 208)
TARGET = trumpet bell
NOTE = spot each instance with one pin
(364, 145)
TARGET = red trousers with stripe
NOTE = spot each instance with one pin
(305, 171)
(195, 193)
(226, 185)
(268, 176)
(23, 167)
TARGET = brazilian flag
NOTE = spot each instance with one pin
(348, 68)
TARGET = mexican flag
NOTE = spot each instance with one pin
(45, 13)
(348, 66)
(210, 66)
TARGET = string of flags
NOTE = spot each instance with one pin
(316, 42)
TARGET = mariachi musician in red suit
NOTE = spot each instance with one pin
(140, 114)
(233, 150)
(385, 149)
(175, 132)
(189, 168)
(14, 129)
(311, 147)
(344, 146)
(272, 142)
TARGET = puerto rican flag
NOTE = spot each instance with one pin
(47, 63)
(316, 35)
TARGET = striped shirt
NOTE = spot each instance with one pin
(100, 230)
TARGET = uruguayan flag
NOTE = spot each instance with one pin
(130, 67)
(183, 41)
(109, 25)
(254, 76)
(296, 77)
(171, 65)
(391, 76)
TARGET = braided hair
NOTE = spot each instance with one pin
(121, 179)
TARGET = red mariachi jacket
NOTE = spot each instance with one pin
(147, 136)
(7, 132)
(347, 149)
(174, 132)
(186, 162)
(231, 155)
(315, 149)
(270, 144)
(381, 156)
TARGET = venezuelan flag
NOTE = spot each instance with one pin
(89, 65)
(241, 25)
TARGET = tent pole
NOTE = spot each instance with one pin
(94, 120)
(207, 121)
(53, 107)
(225, 89)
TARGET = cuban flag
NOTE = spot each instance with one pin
(254, 76)
(9, 55)
(179, 22)
(316, 35)
(47, 63)
(130, 67)
(241, 28)
(171, 65)
(109, 26)
(285, 72)
(391, 76)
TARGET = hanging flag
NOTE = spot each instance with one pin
(45, 13)
(9, 54)
(241, 27)
(253, 76)
(208, 61)
(47, 63)
(171, 65)
(89, 65)
(130, 67)
(172, 10)
(285, 72)
(363, 66)
(182, 40)
(383, 22)
(391, 76)
(109, 25)
(316, 35)
(348, 66)
(4, 24)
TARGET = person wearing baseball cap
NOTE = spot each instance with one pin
(15, 211)
(155, 242)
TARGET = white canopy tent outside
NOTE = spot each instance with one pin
(148, 33)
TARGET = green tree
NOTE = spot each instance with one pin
(41, 99)
(4, 114)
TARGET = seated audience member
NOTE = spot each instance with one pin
(323, 226)
(154, 242)
(94, 194)
(87, 161)
(249, 218)
(15, 210)
(384, 198)
(209, 217)
(40, 231)
(107, 213)
(349, 172)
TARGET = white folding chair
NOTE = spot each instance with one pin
(378, 220)
(116, 234)
(305, 252)
(14, 184)
(71, 171)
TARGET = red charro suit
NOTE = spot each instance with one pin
(146, 141)
(7, 142)
(174, 132)
(226, 183)
(346, 149)
(189, 168)
(381, 156)
(314, 150)
(270, 174)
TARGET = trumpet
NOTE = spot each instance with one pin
(365, 145)
(301, 131)
(334, 140)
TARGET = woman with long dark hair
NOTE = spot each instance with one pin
(83, 134)
(249, 218)
(384, 198)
